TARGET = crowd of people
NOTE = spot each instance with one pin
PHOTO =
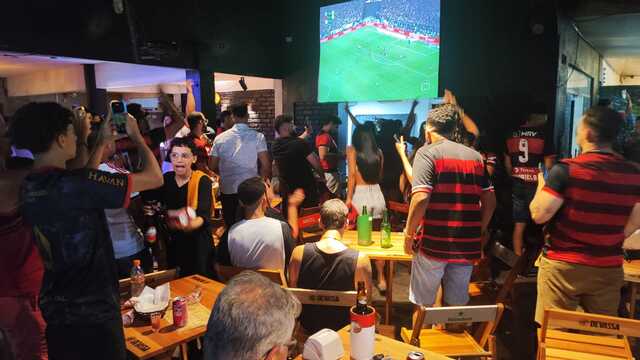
(415, 16)
(74, 217)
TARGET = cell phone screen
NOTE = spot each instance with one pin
(120, 123)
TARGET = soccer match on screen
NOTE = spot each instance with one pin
(379, 50)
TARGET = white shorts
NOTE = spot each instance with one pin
(371, 197)
(428, 274)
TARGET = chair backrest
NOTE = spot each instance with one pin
(460, 314)
(324, 297)
(225, 273)
(593, 323)
(152, 280)
(489, 315)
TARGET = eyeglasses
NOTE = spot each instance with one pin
(185, 156)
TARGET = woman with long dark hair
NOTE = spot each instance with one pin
(365, 163)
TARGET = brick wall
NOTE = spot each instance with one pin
(261, 108)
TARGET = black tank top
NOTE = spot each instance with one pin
(324, 271)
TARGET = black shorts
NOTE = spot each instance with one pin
(522, 194)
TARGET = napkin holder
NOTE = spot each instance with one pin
(323, 345)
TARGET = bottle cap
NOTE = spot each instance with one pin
(136, 262)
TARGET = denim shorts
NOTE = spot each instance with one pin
(427, 274)
(522, 194)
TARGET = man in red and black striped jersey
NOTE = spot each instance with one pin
(453, 200)
(526, 149)
(592, 202)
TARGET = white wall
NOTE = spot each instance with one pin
(60, 80)
(120, 77)
(610, 76)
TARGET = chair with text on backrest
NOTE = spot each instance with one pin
(309, 225)
(324, 297)
(225, 273)
(152, 280)
(398, 212)
(555, 343)
(489, 291)
(456, 344)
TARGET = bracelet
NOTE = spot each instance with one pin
(404, 232)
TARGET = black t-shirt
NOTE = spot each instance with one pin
(66, 210)
(188, 250)
(290, 154)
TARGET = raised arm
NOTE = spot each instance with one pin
(177, 120)
(82, 127)
(411, 120)
(401, 148)
(191, 99)
(151, 175)
(353, 118)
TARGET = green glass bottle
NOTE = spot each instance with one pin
(364, 228)
(385, 231)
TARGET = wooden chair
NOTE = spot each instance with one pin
(324, 297)
(309, 225)
(153, 279)
(456, 344)
(554, 343)
(225, 273)
(399, 212)
(489, 291)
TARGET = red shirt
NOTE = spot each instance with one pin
(20, 262)
(527, 149)
(599, 191)
(325, 139)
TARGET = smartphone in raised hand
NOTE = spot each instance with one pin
(119, 116)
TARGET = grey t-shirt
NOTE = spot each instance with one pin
(260, 244)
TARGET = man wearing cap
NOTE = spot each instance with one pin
(328, 152)
(257, 241)
(453, 201)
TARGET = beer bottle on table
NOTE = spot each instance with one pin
(385, 231)
(137, 279)
(364, 224)
(361, 301)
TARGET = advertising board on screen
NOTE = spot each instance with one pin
(379, 50)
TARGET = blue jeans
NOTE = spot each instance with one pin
(427, 274)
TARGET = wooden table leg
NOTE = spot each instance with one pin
(388, 308)
(632, 299)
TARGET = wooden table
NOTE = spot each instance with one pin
(632, 276)
(142, 343)
(389, 255)
(387, 346)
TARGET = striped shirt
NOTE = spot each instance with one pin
(599, 191)
(527, 149)
(455, 176)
